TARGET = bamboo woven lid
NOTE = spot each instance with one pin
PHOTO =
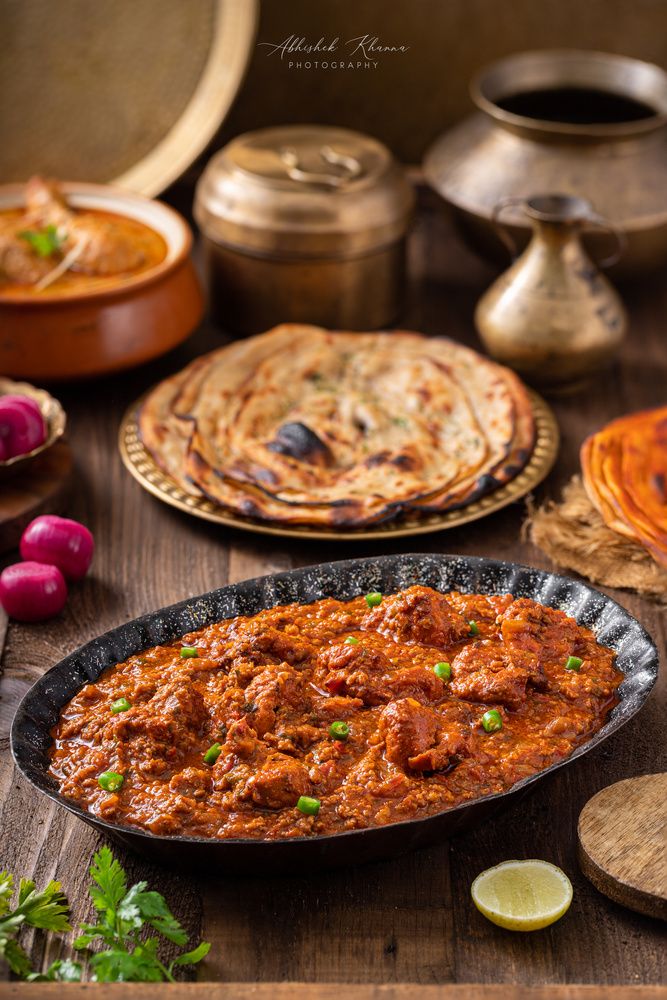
(125, 92)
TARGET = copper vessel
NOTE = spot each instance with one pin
(584, 123)
(304, 223)
(552, 316)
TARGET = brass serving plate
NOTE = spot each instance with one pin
(117, 109)
(141, 465)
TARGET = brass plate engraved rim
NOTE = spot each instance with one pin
(141, 466)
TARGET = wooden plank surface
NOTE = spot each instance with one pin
(42, 489)
(407, 921)
(327, 991)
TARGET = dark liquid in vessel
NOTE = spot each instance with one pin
(576, 106)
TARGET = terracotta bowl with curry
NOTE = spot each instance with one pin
(93, 280)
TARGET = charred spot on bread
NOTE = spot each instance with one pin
(298, 441)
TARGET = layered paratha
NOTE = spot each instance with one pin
(625, 474)
(307, 426)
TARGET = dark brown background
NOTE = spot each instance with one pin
(413, 96)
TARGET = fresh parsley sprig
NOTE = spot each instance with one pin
(123, 913)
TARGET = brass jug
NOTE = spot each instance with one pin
(552, 316)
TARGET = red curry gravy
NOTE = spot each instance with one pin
(265, 689)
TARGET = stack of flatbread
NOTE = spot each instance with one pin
(307, 426)
(611, 523)
(625, 474)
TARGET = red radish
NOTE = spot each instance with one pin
(22, 426)
(59, 542)
(31, 591)
(4, 450)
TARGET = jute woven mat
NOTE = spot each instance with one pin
(572, 533)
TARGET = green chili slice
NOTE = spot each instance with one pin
(120, 705)
(492, 721)
(212, 753)
(308, 806)
(111, 781)
(339, 730)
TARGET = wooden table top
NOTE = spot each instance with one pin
(405, 921)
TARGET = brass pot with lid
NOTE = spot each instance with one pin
(304, 223)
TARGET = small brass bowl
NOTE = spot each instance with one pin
(54, 418)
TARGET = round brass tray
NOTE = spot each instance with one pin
(141, 465)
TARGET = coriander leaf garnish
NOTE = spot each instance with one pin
(116, 965)
(15, 957)
(45, 242)
(61, 971)
(194, 956)
(123, 914)
(110, 878)
(140, 906)
(6, 889)
(46, 910)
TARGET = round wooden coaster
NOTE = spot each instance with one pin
(623, 843)
(41, 489)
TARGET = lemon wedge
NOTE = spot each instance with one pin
(522, 895)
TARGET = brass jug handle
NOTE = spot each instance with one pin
(501, 228)
(596, 221)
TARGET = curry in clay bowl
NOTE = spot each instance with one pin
(93, 280)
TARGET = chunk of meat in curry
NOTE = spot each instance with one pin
(419, 738)
(264, 690)
(419, 615)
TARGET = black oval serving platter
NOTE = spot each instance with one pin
(39, 710)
